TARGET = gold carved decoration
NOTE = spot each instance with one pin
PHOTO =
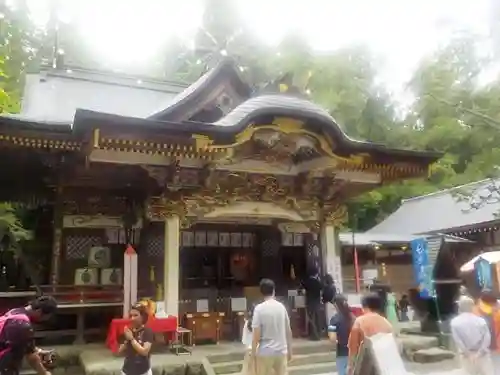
(288, 127)
(202, 141)
(159, 174)
(163, 208)
(220, 191)
(314, 226)
(335, 215)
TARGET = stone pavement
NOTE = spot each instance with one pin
(226, 359)
(449, 367)
(442, 368)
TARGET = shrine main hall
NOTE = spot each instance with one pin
(214, 185)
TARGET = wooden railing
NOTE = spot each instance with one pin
(71, 294)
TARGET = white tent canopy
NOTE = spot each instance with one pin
(491, 257)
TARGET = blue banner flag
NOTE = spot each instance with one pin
(422, 268)
(484, 276)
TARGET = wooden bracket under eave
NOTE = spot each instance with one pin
(95, 137)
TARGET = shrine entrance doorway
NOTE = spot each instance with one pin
(224, 255)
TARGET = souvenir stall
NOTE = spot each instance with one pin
(482, 272)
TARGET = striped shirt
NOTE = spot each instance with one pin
(470, 333)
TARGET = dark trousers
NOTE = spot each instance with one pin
(10, 362)
(314, 319)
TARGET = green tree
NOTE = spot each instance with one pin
(452, 113)
(15, 53)
(20, 42)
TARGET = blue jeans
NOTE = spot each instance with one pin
(342, 363)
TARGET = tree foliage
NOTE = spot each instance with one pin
(17, 41)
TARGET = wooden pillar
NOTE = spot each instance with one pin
(57, 236)
(171, 266)
(330, 248)
(331, 261)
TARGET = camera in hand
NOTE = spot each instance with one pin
(49, 359)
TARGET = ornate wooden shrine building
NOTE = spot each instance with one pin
(215, 190)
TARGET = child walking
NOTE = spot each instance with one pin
(137, 345)
(246, 339)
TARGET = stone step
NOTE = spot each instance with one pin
(432, 355)
(323, 368)
(303, 348)
(73, 370)
(318, 369)
(223, 368)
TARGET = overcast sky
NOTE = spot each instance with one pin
(401, 32)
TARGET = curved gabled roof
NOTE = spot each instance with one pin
(276, 105)
(262, 110)
(225, 71)
(317, 119)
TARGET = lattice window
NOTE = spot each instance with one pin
(154, 245)
(78, 246)
(270, 247)
(313, 252)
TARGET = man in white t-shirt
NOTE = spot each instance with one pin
(272, 335)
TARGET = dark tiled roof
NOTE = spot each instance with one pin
(259, 110)
(442, 211)
(277, 105)
(318, 119)
(226, 69)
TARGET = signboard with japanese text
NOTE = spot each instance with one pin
(484, 276)
(422, 267)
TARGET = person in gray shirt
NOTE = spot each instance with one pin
(272, 335)
(472, 339)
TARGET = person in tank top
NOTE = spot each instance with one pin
(369, 324)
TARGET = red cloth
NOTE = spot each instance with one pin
(357, 311)
(158, 325)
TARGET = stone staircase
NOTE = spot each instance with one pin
(312, 358)
(309, 358)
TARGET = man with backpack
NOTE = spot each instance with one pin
(17, 339)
